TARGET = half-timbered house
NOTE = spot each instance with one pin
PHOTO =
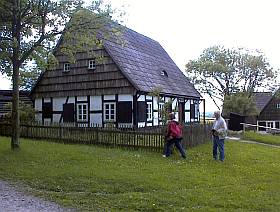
(117, 89)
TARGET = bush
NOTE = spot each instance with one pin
(26, 113)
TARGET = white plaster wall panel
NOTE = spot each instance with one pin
(47, 121)
(95, 103)
(176, 116)
(58, 103)
(38, 117)
(81, 98)
(125, 97)
(141, 98)
(155, 103)
(141, 124)
(38, 104)
(125, 125)
(96, 118)
(174, 104)
(109, 97)
(110, 125)
(167, 99)
(149, 97)
(196, 110)
(82, 125)
(56, 118)
(47, 99)
(155, 118)
(71, 100)
(187, 117)
(187, 105)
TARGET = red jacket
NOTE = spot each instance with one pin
(174, 130)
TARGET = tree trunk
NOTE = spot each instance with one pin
(15, 110)
(16, 65)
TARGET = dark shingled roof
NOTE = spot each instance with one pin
(262, 99)
(147, 65)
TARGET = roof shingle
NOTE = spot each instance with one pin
(142, 61)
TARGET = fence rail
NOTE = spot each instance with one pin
(258, 127)
(145, 138)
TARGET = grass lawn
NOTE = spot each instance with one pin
(91, 178)
(268, 139)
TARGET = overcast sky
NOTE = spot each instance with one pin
(185, 27)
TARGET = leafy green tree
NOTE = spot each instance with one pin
(219, 72)
(29, 30)
(241, 103)
(26, 113)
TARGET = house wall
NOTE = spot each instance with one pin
(271, 112)
(96, 107)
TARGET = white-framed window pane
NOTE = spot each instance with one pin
(110, 112)
(66, 67)
(91, 64)
(82, 112)
(149, 111)
(160, 110)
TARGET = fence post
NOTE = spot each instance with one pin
(244, 127)
(60, 132)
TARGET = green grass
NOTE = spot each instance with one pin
(91, 178)
(268, 139)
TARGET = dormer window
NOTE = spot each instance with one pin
(91, 64)
(163, 73)
(66, 67)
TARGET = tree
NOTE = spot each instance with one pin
(219, 72)
(29, 30)
(26, 113)
(241, 103)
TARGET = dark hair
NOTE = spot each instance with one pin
(171, 116)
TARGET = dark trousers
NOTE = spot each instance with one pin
(218, 144)
(177, 142)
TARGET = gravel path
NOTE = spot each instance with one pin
(251, 142)
(14, 200)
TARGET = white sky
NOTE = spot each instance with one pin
(185, 27)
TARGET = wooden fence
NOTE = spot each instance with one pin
(140, 138)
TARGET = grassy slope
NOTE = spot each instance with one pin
(268, 139)
(91, 178)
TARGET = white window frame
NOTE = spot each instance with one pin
(66, 67)
(91, 64)
(278, 105)
(82, 113)
(149, 111)
(270, 124)
(110, 112)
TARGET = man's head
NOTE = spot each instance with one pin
(171, 116)
(217, 114)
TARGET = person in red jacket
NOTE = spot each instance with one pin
(174, 136)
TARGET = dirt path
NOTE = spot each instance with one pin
(14, 200)
(251, 142)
